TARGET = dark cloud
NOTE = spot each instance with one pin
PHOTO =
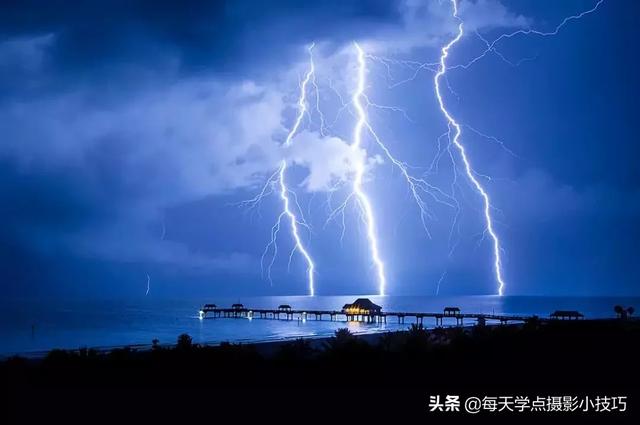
(39, 209)
(123, 122)
(92, 36)
(43, 199)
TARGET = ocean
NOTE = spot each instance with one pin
(32, 327)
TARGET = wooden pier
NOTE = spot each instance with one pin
(285, 312)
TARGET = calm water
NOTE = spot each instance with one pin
(36, 327)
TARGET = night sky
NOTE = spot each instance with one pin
(131, 130)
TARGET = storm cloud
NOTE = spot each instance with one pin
(130, 131)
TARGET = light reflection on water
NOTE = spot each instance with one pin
(30, 326)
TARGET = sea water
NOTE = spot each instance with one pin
(31, 327)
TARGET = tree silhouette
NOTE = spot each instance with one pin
(343, 335)
(417, 340)
(343, 340)
(417, 330)
(532, 323)
(295, 351)
(185, 342)
(619, 311)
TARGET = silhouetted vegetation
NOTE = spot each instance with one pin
(575, 357)
(624, 313)
(185, 342)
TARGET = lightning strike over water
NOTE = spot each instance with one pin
(363, 200)
(440, 69)
(467, 164)
(419, 188)
(284, 191)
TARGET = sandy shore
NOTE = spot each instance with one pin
(265, 348)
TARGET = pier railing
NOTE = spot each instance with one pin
(238, 311)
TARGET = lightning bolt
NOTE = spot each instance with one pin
(440, 69)
(358, 106)
(467, 164)
(363, 200)
(418, 187)
(278, 178)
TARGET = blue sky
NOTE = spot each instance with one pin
(131, 132)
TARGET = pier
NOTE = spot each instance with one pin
(362, 310)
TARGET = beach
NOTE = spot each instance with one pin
(560, 358)
(28, 326)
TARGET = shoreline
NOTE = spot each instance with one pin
(590, 357)
(266, 345)
(141, 347)
(269, 345)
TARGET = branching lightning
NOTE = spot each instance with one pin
(491, 46)
(440, 69)
(420, 189)
(284, 191)
(278, 178)
(467, 164)
(363, 200)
